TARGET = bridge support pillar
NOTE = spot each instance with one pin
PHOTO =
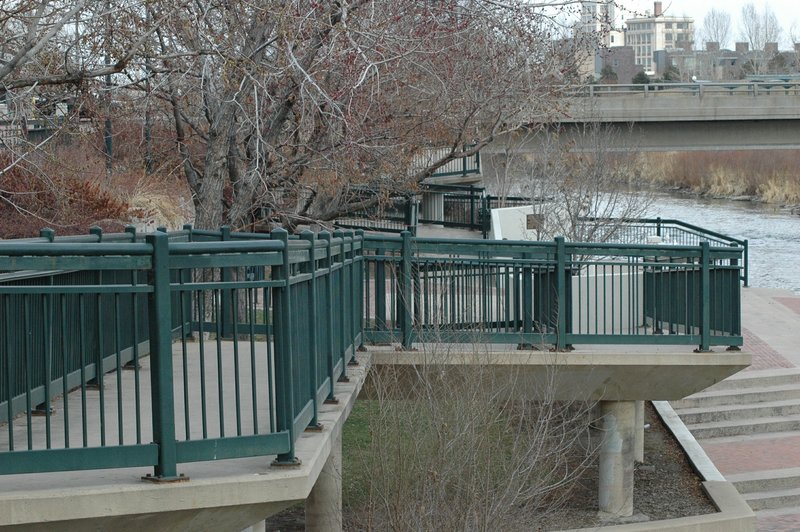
(615, 495)
(638, 444)
(324, 503)
(433, 206)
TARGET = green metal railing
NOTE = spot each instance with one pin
(461, 166)
(90, 324)
(670, 231)
(154, 350)
(400, 214)
(558, 293)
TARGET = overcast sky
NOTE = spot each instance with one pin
(788, 12)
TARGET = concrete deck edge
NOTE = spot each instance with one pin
(574, 358)
(274, 485)
(587, 375)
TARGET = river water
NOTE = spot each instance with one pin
(773, 234)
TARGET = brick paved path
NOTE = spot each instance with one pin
(772, 334)
(764, 356)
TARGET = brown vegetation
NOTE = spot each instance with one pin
(460, 449)
(67, 186)
(30, 200)
(768, 175)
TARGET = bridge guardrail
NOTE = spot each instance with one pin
(724, 88)
(79, 311)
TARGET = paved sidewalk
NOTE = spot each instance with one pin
(771, 320)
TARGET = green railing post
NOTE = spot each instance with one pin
(358, 302)
(472, 220)
(380, 290)
(310, 267)
(464, 162)
(705, 297)
(44, 407)
(341, 305)
(746, 264)
(282, 311)
(658, 226)
(131, 230)
(226, 299)
(410, 215)
(347, 307)
(96, 383)
(406, 304)
(561, 293)
(527, 298)
(328, 312)
(486, 217)
(350, 309)
(161, 391)
(47, 233)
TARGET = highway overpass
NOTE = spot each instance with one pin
(683, 116)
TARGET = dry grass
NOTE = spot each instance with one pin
(768, 175)
(156, 202)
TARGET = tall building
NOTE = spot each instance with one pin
(597, 30)
(657, 32)
(597, 16)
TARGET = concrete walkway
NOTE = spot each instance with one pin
(749, 424)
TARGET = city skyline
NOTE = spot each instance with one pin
(788, 12)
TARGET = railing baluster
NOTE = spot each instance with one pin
(283, 349)
(161, 371)
(406, 315)
(561, 295)
(314, 315)
(705, 302)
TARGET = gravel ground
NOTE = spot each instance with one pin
(665, 487)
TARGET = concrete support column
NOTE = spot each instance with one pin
(261, 526)
(433, 206)
(638, 445)
(324, 503)
(615, 495)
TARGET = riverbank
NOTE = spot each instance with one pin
(768, 176)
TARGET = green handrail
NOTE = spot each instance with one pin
(282, 318)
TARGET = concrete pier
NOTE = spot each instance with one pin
(638, 442)
(615, 484)
(324, 503)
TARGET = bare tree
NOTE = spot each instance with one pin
(293, 103)
(281, 106)
(759, 29)
(717, 27)
(581, 182)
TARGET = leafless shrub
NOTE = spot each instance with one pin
(467, 447)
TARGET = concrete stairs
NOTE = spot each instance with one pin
(749, 406)
(767, 490)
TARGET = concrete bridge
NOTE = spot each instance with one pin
(684, 116)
